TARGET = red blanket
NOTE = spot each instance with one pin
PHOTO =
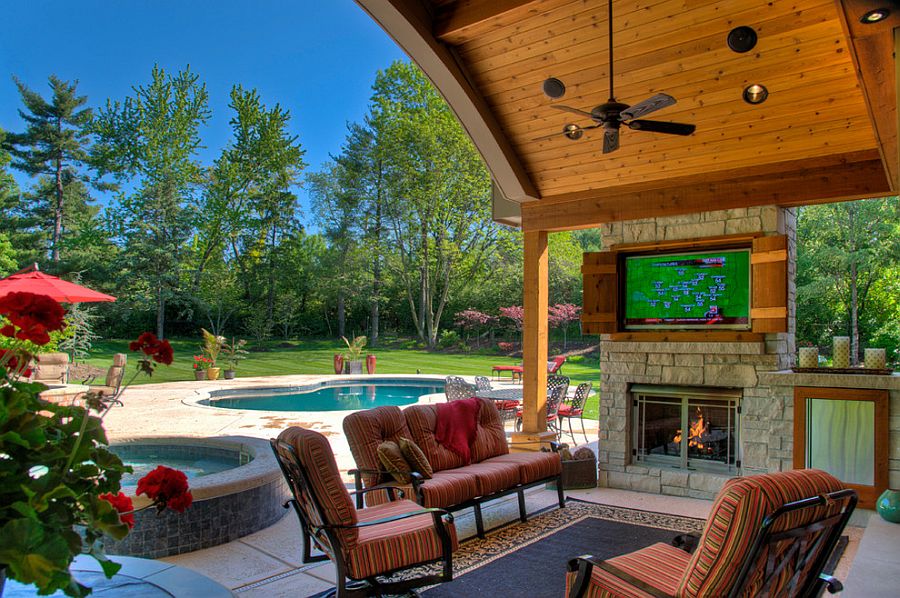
(455, 427)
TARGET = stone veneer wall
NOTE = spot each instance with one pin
(766, 432)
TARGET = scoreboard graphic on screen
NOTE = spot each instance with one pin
(688, 291)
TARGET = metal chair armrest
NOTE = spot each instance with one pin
(426, 511)
(585, 564)
(363, 491)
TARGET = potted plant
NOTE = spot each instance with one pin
(212, 346)
(352, 356)
(234, 352)
(201, 365)
(59, 482)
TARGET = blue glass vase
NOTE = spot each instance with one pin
(888, 505)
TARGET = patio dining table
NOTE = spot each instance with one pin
(501, 394)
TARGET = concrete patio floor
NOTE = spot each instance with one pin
(267, 563)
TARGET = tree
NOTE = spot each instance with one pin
(845, 250)
(563, 314)
(437, 195)
(151, 140)
(54, 147)
(9, 197)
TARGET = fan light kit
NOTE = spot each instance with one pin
(742, 39)
(613, 114)
(874, 16)
(755, 94)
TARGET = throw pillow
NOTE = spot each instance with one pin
(392, 460)
(415, 457)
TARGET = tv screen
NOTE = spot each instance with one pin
(688, 291)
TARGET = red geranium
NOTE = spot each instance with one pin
(122, 503)
(35, 316)
(166, 487)
(11, 362)
(149, 345)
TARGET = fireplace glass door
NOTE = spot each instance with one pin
(686, 427)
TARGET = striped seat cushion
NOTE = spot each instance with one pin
(397, 544)
(493, 476)
(735, 520)
(533, 466)
(367, 429)
(660, 565)
(448, 488)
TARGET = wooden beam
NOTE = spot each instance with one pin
(824, 184)
(410, 26)
(534, 336)
(465, 19)
(872, 47)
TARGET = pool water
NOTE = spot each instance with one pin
(334, 397)
(194, 461)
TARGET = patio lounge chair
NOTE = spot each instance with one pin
(51, 368)
(114, 376)
(364, 544)
(553, 367)
(767, 535)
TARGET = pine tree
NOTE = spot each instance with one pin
(54, 148)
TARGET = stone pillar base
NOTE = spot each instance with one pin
(523, 442)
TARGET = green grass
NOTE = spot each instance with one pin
(315, 357)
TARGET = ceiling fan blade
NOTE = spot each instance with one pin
(657, 126)
(657, 102)
(572, 110)
(610, 140)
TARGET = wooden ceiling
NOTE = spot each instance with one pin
(827, 132)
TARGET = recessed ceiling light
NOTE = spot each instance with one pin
(554, 88)
(573, 132)
(874, 16)
(755, 94)
(742, 39)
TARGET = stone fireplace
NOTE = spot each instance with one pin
(678, 416)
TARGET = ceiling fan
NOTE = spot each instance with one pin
(613, 114)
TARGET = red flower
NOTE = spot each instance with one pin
(123, 505)
(13, 362)
(149, 345)
(166, 487)
(35, 316)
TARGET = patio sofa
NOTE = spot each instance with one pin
(454, 485)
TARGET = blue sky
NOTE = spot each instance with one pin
(316, 58)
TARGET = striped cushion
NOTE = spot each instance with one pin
(422, 420)
(317, 458)
(448, 488)
(735, 521)
(492, 476)
(533, 466)
(490, 437)
(365, 430)
(389, 546)
(659, 565)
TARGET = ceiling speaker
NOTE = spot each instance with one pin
(742, 39)
(554, 88)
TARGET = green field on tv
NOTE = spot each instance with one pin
(688, 290)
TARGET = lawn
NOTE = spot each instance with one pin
(315, 357)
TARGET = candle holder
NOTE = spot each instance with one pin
(808, 357)
(876, 359)
(840, 357)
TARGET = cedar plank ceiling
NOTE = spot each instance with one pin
(827, 132)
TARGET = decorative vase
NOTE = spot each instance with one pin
(228, 374)
(212, 373)
(199, 374)
(888, 505)
(840, 357)
(353, 367)
(370, 364)
(338, 363)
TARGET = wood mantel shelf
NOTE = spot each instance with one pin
(826, 379)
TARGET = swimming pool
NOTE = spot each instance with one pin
(195, 460)
(338, 395)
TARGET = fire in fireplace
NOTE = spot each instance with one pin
(709, 416)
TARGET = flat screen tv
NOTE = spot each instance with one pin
(688, 291)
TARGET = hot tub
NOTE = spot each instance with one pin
(237, 485)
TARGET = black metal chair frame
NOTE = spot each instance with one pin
(327, 540)
(815, 539)
(578, 402)
(555, 396)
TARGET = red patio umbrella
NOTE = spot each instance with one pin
(31, 280)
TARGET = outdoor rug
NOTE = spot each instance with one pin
(529, 559)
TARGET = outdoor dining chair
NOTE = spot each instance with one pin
(365, 545)
(456, 388)
(575, 409)
(554, 399)
(482, 383)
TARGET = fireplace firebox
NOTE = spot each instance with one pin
(687, 427)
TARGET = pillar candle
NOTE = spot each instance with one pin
(876, 359)
(841, 356)
(809, 357)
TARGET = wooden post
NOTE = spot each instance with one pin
(534, 339)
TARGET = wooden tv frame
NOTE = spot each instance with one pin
(603, 275)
